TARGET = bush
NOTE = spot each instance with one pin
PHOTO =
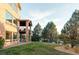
(45, 40)
(36, 38)
(1, 42)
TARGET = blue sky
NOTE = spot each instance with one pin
(43, 13)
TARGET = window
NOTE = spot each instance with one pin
(14, 35)
(15, 21)
(8, 16)
(8, 35)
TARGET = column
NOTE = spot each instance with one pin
(12, 36)
(18, 24)
(27, 31)
(30, 34)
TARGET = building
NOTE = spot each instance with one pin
(25, 30)
(9, 16)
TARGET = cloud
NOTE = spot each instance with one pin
(40, 17)
(59, 24)
(44, 17)
(37, 15)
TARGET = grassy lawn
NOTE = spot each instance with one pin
(32, 49)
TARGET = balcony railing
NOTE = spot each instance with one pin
(11, 23)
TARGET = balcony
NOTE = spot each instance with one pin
(10, 26)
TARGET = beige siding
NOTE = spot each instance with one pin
(4, 7)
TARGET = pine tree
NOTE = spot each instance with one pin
(37, 33)
(50, 32)
(71, 28)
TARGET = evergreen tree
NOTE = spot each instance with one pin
(37, 33)
(50, 32)
(71, 28)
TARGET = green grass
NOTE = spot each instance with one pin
(32, 49)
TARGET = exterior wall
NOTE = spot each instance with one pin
(8, 26)
(11, 27)
(2, 30)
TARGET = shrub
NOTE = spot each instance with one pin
(45, 40)
(1, 42)
(36, 38)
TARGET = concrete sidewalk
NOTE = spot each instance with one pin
(17, 44)
(62, 49)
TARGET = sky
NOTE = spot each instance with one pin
(42, 13)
